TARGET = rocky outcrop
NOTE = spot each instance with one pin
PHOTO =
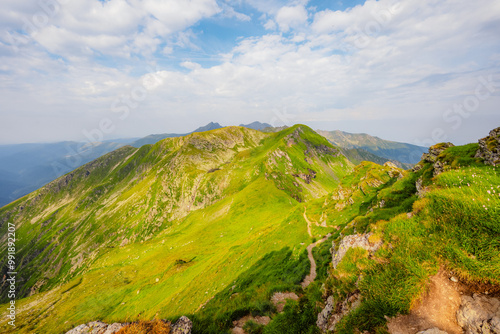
(435, 151)
(489, 148)
(394, 171)
(325, 314)
(97, 327)
(479, 314)
(331, 315)
(432, 157)
(182, 326)
(351, 241)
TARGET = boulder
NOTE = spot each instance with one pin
(182, 326)
(351, 241)
(479, 314)
(96, 327)
(489, 148)
(435, 151)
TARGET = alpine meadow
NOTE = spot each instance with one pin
(249, 167)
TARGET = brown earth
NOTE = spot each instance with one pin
(279, 299)
(238, 324)
(437, 308)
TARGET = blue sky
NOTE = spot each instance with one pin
(413, 71)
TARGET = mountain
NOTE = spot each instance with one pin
(256, 126)
(357, 155)
(153, 139)
(405, 153)
(241, 230)
(210, 126)
(27, 167)
(173, 204)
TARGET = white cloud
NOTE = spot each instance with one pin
(291, 17)
(114, 27)
(358, 65)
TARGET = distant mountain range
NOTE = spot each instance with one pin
(26, 167)
(391, 150)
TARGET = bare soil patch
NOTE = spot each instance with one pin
(437, 308)
(238, 324)
(279, 299)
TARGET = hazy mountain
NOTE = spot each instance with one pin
(256, 125)
(210, 126)
(26, 167)
(405, 153)
(153, 139)
(357, 155)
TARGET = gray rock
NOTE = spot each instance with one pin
(479, 315)
(435, 151)
(351, 241)
(438, 168)
(94, 327)
(325, 314)
(349, 304)
(113, 328)
(420, 187)
(182, 326)
(489, 148)
(434, 330)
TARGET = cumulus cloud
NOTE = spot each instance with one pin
(384, 61)
(291, 17)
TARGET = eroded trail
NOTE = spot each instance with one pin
(312, 273)
(308, 223)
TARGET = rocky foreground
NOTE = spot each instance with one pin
(181, 326)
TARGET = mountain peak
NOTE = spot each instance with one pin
(208, 127)
(257, 125)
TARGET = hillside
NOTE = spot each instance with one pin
(405, 153)
(155, 202)
(263, 233)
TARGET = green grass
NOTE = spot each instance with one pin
(211, 225)
(125, 238)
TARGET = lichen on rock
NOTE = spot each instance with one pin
(352, 241)
(489, 148)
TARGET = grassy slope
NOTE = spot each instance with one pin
(253, 245)
(194, 230)
(455, 224)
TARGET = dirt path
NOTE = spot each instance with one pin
(312, 273)
(438, 308)
(308, 223)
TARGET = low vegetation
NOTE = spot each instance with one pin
(132, 241)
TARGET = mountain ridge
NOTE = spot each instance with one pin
(391, 150)
(214, 224)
